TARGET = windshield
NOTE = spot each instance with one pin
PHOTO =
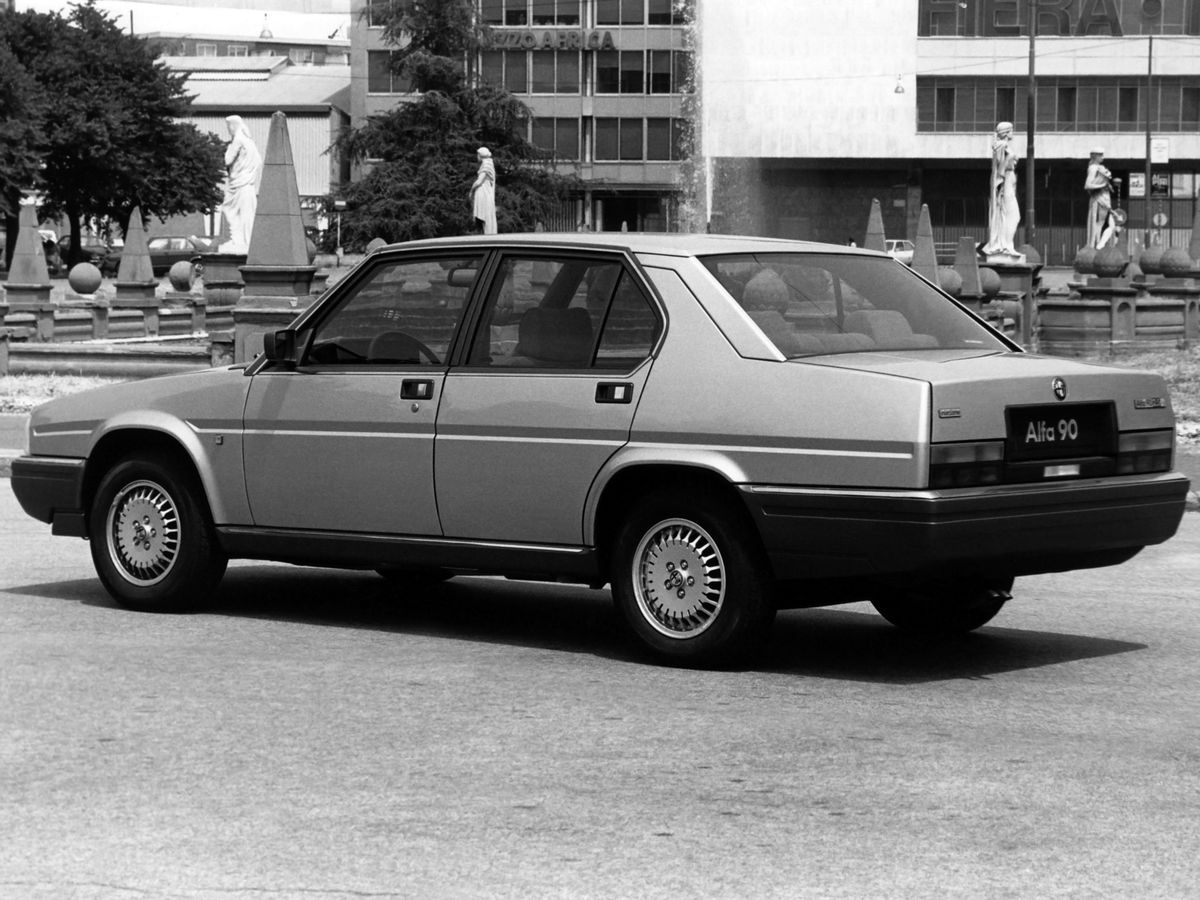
(819, 303)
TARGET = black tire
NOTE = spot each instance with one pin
(152, 537)
(691, 580)
(948, 607)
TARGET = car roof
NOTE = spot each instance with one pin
(660, 243)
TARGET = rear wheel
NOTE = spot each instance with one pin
(690, 580)
(152, 538)
(953, 606)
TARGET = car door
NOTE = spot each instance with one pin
(545, 395)
(344, 440)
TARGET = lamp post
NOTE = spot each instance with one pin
(1031, 129)
(338, 206)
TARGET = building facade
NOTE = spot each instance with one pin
(809, 110)
(606, 82)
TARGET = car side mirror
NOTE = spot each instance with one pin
(280, 347)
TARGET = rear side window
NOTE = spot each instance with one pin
(574, 313)
(820, 303)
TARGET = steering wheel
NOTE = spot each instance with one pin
(399, 347)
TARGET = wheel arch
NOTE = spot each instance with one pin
(119, 442)
(621, 485)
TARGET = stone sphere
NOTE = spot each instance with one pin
(1032, 257)
(84, 278)
(1176, 263)
(1085, 261)
(949, 280)
(1110, 262)
(1150, 260)
(181, 275)
(989, 281)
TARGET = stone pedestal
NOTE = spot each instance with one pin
(1173, 311)
(97, 305)
(187, 300)
(272, 298)
(1017, 280)
(33, 299)
(222, 277)
(1100, 317)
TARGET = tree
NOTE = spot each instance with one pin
(426, 146)
(22, 104)
(108, 138)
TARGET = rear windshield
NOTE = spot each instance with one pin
(819, 303)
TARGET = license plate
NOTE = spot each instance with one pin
(1061, 431)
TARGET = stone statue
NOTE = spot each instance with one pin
(1102, 221)
(483, 193)
(1003, 212)
(243, 163)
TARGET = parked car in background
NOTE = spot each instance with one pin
(718, 427)
(165, 251)
(95, 250)
(901, 250)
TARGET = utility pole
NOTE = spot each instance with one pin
(1149, 108)
(1031, 129)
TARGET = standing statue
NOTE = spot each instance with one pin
(243, 164)
(1003, 212)
(483, 193)
(1102, 220)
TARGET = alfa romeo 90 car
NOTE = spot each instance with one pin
(718, 427)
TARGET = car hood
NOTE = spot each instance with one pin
(971, 390)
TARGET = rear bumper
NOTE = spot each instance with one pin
(1009, 530)
(51, 490)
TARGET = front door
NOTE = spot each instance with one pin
(344, 442)
(547, 395)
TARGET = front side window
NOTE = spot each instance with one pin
(404, 313)
(812, 304)
(559, 313)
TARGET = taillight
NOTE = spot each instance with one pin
(1144, 451)
(966, 465)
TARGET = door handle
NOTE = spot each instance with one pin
(614, 392)
(416, 389)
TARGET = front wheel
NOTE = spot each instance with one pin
(691, 582)
(152, 538)
(953, 606)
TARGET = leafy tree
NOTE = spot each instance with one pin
(107, 136)
(22, 103)
(427, 145)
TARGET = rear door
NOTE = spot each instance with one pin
(344, 442)
(546, 394)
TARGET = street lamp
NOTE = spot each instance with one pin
(1031, 116)
(338, 206)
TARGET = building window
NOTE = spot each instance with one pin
(566, 72)
(1127, 108)
(620, 72)
(1065, 109)
(516, 71)
(237, 50)
(206, 49)
(301, 56)
(630, 140)
(620, 12)
(491, 12)
(1189, 109)
(543, 73)
(1006, 104)
(557, 137)
(380, 11)
(380, 77)
(658, 139)
(662, 12)
(943, 107)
